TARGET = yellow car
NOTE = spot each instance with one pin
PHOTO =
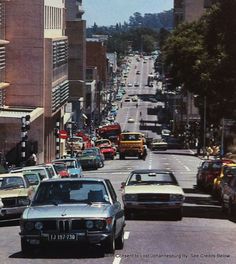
(217, 184)
(16, 192)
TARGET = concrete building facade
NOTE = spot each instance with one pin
(76, 32)
(37, 73)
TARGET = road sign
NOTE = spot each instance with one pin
(63, 134)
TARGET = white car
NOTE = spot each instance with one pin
(131, 120)
(130, 84)
(152, 190)
(135, 98)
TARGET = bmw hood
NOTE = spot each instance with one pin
(67, 211)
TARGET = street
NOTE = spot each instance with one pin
(203, 236)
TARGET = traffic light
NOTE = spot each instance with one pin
(27, 122)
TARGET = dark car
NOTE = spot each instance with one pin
(90, 159)
(74, 211)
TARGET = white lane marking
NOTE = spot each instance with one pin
(126, 235)
(187, 168)
(116, 260)
(150, 162)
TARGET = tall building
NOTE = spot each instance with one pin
(37, 73)
(76, 32)
(190, 10)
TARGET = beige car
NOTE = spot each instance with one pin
(152, 190)
(16, 192)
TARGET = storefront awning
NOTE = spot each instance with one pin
(14, 115)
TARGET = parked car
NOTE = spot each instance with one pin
(152, 190)
(73, 211)
(89, 159)
(16, 191)
(208, 171)
(108, 151)
(158, 144)
(45, 172)
(61, 169)
(73, 165)
(228, 199)
(221, 179)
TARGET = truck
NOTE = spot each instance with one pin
(132, 144)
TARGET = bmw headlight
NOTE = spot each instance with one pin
(24, 201)
(99, 224)
(29, 226)
(176, 197)
(131, 197)
(89, 224)
(38, 225)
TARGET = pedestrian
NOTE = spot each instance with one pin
(32, 160)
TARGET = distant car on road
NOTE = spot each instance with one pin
(158, 144)
(131, 120)
(152, 190)
(89, 159)
(73, 211)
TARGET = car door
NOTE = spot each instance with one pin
(118, 211)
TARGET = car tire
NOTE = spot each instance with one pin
(119, 242)
(122, 156)
(127, 213)
(109, 245)
(101, 164)
(178, 214)
(223, 208)
(26, 248)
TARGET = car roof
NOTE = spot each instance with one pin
(28, 168)
(20, 174)
(75, 179)
(151, 171)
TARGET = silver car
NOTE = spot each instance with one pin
(73, 211)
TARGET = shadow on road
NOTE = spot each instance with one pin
(63, 252)
(201, 205)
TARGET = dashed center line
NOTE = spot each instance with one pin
(187, 168)
(116, 260)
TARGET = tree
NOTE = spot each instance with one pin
(201, 57)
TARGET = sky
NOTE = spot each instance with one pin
(110, 12)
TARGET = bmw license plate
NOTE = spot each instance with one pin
(62, 237)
